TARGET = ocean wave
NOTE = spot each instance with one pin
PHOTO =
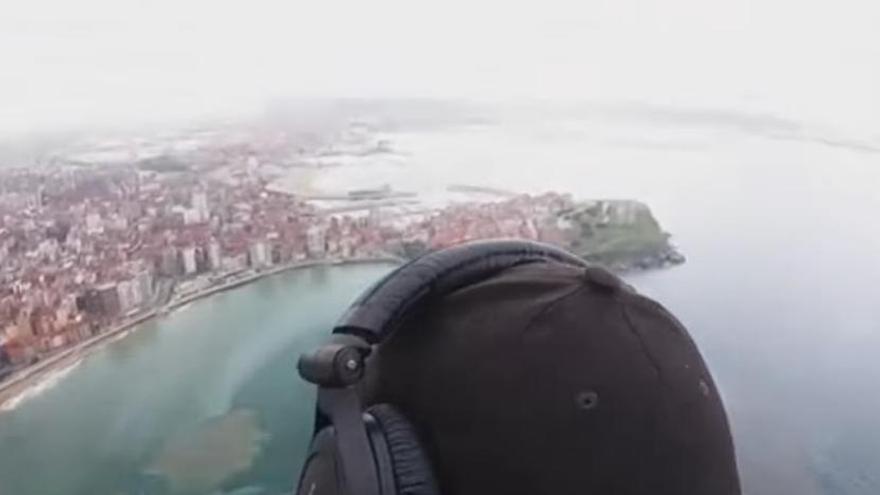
(50, 380)
(120, 336)
(183, 308)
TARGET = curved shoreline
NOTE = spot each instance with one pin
(21, 381)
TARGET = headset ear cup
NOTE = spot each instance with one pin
(413, 473)
(319, 474)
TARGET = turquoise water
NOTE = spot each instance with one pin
(205, 400)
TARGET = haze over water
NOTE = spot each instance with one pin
(778, 290)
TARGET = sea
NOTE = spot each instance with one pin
(777, 220)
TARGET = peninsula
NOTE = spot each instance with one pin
(96, 239)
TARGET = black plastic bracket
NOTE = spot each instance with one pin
(355, 455)
(337, 364)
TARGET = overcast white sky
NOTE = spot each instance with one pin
(75, 62)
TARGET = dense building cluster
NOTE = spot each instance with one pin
(524, 217)
(86, 247)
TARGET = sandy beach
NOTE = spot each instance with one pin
(33, 380)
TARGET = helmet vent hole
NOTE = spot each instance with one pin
(587, 400)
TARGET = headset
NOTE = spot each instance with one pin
(375, 451)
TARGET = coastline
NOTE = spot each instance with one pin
(23, 380)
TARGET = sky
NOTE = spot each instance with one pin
(76, 63)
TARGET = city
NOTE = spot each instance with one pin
(90, 245)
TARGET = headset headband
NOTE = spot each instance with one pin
(375, 314)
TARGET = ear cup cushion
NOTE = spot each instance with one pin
(413, 473)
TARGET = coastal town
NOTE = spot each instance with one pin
(95, 241)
